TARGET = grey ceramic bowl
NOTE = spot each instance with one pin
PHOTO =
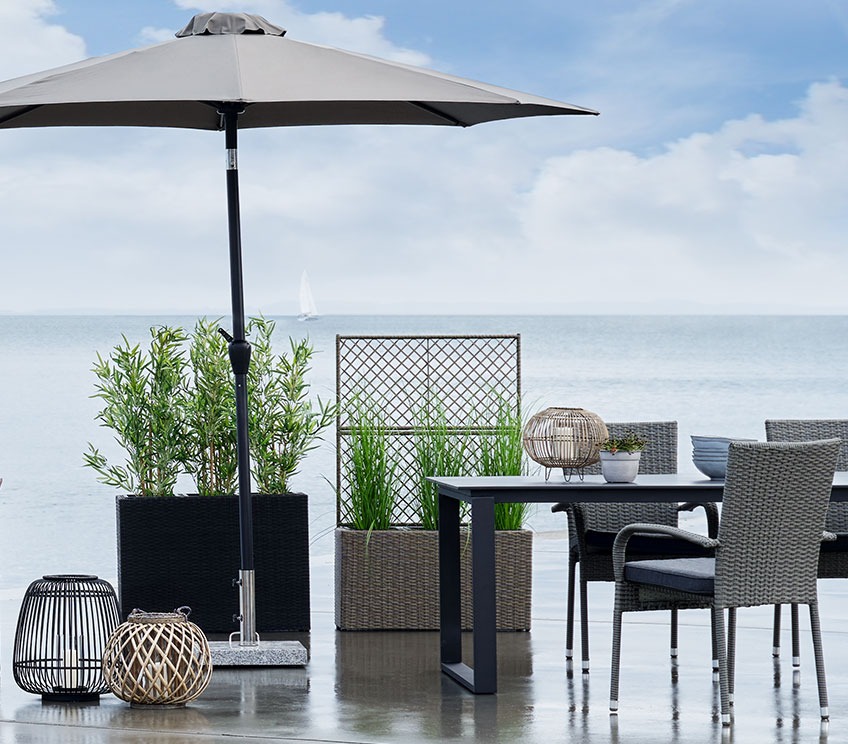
(713, 469)
(701, 442)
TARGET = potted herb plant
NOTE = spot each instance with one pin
(172, 411)
(620, 457)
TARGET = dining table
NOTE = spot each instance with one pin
(481, 493)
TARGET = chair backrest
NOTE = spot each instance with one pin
(805, 430)
(659, 456)
(775, 499)
(808, 430)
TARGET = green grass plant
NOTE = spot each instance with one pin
(500, 452)
(440, 450)
(482, 446)
(370, 470)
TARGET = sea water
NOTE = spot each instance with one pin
(718, 375)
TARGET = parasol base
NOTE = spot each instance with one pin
(266, 654)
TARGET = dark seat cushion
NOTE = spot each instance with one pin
(693, 575)
(839, 545)
(653, 545)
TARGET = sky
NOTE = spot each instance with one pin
(715, 179)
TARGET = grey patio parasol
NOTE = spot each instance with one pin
(227, 71)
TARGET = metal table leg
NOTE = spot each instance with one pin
(450, 612)
(482, 678)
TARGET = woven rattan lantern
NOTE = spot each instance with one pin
(157, 658)
(567, 438)
(63, 626)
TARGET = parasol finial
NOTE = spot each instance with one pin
(216, 24)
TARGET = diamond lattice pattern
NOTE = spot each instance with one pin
(469, 376)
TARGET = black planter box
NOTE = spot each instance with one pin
(184, 550)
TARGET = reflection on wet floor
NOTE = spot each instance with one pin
(387, 687)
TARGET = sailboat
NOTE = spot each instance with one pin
(308, 311)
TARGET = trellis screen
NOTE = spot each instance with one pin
(470, 377)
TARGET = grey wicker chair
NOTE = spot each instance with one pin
(592, 529)
(833, 561)
(775, 501)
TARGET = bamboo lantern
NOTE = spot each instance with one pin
(567, 438)
(157, 658)
(63, 626)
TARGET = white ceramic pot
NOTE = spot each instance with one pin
(620, 467)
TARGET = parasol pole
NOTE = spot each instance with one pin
(239, 351)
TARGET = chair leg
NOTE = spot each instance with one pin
(674, 633)
(714, 641)
(724, 694)
(796, 643)
(775, 643)
(731, 652)
(569, 612)
(815, 626)
(584, 622)
(615, 659)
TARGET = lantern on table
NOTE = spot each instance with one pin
(567, 438)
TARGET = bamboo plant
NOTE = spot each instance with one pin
(144, 403)
(175, 413)
(284, 425)
(213, 453)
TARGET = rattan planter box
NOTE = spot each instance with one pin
(184, 550)
(389, 580)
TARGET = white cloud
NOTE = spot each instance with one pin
(153, 35)
(29, 42)
(505, 217)
(712, 218)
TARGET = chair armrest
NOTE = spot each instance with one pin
(711, 511)
(619, 547)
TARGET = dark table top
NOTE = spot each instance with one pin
(646, 488)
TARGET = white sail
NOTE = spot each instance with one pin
(308, 310)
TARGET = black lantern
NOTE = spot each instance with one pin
(62, 631)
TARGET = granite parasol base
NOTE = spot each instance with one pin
(266, 654)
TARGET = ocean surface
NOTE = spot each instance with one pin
(716, 375)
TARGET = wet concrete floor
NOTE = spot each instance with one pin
(387, 687)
